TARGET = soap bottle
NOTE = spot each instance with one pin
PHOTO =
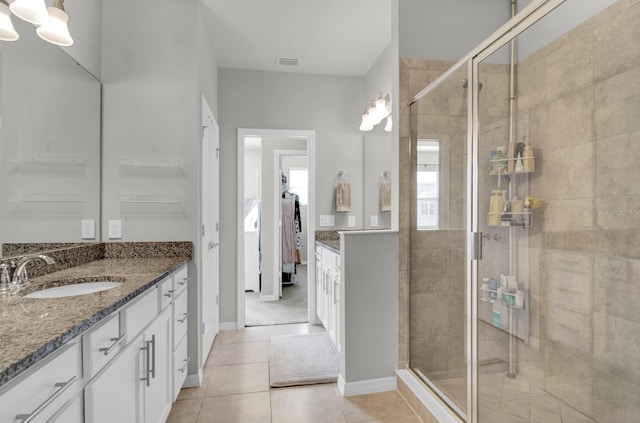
(528, 158)
(496, 204)
(496, 312)
(484, 290)
(526, 213)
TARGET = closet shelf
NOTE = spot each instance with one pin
(157, 168)
(151, 207)
(50, 166)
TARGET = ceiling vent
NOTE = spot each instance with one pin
(288, 61)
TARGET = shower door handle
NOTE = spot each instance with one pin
(476, 245)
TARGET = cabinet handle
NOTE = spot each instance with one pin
(184, 281)
(26, 418)
(335, 292)
(116, 342)
(186, 315)
(147, 350)
(153, 356)
(169, 293)
(186, 363)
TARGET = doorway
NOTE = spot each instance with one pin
(273, 289)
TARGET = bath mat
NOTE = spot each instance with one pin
(302, 360)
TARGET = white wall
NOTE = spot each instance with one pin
(330, 105)
(85, 27)
(252, 172)
(447, 30)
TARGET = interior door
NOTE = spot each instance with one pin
(210, 245)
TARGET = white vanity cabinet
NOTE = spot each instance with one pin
(138, 385)
(328, 282)
(45, 390)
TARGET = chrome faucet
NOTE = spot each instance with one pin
(20, 273)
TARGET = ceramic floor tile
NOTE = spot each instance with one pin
(250, 334)
(229, 354)
(383, 406)
(249, 408)
(310, 404)
(185, 411)
(238, 379)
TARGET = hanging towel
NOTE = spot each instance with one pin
(385, 196)
(343, 196)
(288, 233)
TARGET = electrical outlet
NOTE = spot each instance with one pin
(327, 220)
(374, 221)
(88, 229)
(115, 229)
(352, 221)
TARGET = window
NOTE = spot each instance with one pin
(299, 184)
(428, 184)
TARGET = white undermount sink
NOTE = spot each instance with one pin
(73, 289)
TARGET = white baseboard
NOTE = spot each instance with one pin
(193, 381)
(370, 386)
(228, 326)
(439, 410)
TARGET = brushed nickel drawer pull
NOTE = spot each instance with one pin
(116, 342)
(186, 363)
(186, 315)
(26, 418)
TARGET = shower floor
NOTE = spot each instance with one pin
(505, 400)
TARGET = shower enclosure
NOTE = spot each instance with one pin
(524, 225)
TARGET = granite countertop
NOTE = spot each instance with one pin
(32, 328)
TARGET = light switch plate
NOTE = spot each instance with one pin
(352, 221)
(327, 220)
(115, 229)
(374, 221)
(88, 229)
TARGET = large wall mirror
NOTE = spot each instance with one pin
(50, 110)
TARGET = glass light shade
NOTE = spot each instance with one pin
(366, 124)
(55, 30)
(7, 31)
(34, 11)
(374, 117)
(381, 107)
(389, 126)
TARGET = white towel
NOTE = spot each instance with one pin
(385, 196)
(343, 196)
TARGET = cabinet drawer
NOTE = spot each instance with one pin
(180, 317)
(44, 390)
(70, 413)
(181, 280)
(139, 314)
(180, 366)
(101, 344)
(166, 292)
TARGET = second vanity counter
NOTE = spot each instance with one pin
(30, 329)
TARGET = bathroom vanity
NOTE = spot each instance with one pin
(116, 355)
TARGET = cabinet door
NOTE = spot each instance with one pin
(156, 369)
(319, 285)
(114, 395)
(70, 413)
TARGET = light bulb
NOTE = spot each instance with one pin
(389, 126)
(365, 124)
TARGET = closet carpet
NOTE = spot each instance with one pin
(292, 307)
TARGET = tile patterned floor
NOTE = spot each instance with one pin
(236, 389)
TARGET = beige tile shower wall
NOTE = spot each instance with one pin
(577, 101)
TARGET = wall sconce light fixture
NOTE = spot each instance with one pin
(51, 21)
(378, 109)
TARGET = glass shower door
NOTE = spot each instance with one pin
(438, 230)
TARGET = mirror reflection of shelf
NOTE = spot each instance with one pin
(151, 207)
(50, 166)
(514, 219)
(49, 206)
(158, 168)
